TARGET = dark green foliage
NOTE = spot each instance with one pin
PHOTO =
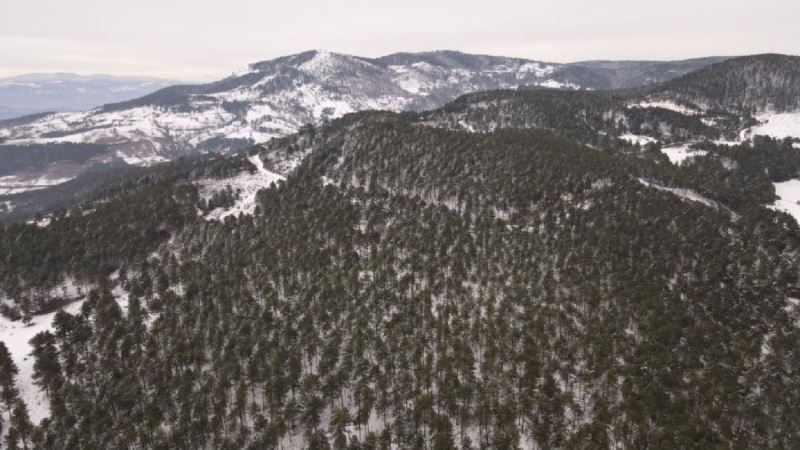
(413, 287)
(585, 116)
(739, 85)
(103, 182)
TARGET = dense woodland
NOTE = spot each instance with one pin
(586, 116)
(746, 84)
(411, 285)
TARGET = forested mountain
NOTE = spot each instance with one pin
(505, 271)
(596, 118)
(750, 84)
(274, 98)
(627, 74)
(586, 116)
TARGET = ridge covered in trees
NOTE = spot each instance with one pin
(535, 283)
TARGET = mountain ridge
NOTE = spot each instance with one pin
(277, 97)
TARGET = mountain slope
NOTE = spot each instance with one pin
(274, 98)
(408, 285)
(627, 74)
(588, 117)
(750, 84)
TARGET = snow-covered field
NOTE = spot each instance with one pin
(789, 198)
(679, 153)
(274, 101)
(17, 335)
(778, 125)
(666, 104)
(555, 84)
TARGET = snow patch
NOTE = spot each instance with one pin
(17, 335)
(686, 194)
(141, 160)
(788, 198)
(679, 153)
(537, 69)
(637, 139)
(666, 104)
(777, 125)
(246, 184)
(555, 84)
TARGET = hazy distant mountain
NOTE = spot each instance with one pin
(10, 113)
(625, 74)
(28, 94)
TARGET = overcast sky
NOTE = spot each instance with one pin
(206, 39)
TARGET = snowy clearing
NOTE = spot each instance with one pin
(246, 184)
(777, 125)
(679, 153)
(789, 198)
(686, 194)
(666, 104)
(637, 139)
(555, 84)
(17, 335)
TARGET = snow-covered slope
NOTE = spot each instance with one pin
(275, 98)
(777, 125)
(788, 193)
(245, 186)
(17, 335)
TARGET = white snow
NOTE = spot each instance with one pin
(271, 109)
(677, 154)
(466, 126)
(412, 85)
(777, 125)
(246, 184)
(143, 160)
(555, 84)
(16, 335)
(686, 194)
(726, 142)
(637, 139)
(536, 68)
(789, 198)
(667, 104)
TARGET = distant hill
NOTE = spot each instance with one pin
(758, 83)
(32, 93)
(276, 97)
(625, 74)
